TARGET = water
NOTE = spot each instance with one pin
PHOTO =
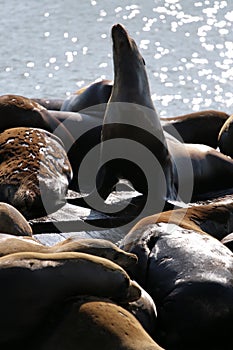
(50, 49)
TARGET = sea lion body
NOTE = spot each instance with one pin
(20, 111)
(91, 95)
(94, 323)
(97, 247)
(188, 274)
(34, 171)
(130, 118)
(205, 168)
(51, 279)
(13, 222)
(200, 127)
(50, 103)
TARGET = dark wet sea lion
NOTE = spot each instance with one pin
(199, 127)
(98, 247)
(36, 284)
(91, 95)
(101, 324)
(189, 276)
(85, 131)
(225, 138)
(13, 222)
(34, 171)
(130, 116)
(208, 168)
(135, 147)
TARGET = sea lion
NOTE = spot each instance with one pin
(50, 103)
(199, 127)
(131, 119)
(169, 171)
(208, 169)
(35, 284)
(225, 137)
(216, 219)
(13, 222)
(97, 247)
(34, 171)
(20, 111)
(91, 95)
(79, 133)
(89, 323)
(189, 276)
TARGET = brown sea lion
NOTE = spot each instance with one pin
(189, 275)
(91, 95)
(20, 111)
(34, 171)
(199, 127)
(79, 133)
(216, 219)
(35, 284)
(98, 323)
(225, 137)
(13, 222)
(97, 247)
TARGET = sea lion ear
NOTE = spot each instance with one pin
(143, 61)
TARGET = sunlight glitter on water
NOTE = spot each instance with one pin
(187, 47)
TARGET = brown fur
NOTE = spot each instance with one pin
(13, 222)
(97, 247)
(215, 219)
(98, 324)
(33, 162)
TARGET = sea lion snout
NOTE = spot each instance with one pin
(119, 36)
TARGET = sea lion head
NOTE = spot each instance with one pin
(129, 70)
(125, 49)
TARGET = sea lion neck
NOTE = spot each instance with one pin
(130, 76)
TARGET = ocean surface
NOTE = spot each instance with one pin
(52, 48)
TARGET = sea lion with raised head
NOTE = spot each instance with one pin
(130, 119)
(36, 284)
(34, 171)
